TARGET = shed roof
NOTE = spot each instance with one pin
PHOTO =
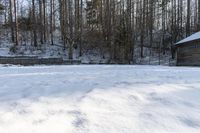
(193, 37)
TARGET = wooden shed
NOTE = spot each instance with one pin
(188, 51)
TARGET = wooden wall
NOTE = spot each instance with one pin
(27, 61)
(188, 54)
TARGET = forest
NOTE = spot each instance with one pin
(120, 31)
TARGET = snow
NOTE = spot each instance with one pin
(99, 99)
(193, 37)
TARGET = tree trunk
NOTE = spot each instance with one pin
(188, 19)
(11, 21)
(34, 24)
(16, 24)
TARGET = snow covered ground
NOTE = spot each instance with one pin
(99, 99)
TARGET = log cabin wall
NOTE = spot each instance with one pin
(188, 54)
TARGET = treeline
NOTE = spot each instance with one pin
(116, 27)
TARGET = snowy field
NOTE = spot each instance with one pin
(99, 99)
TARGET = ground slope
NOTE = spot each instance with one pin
(99, 99)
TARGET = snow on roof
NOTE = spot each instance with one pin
(195, 36)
